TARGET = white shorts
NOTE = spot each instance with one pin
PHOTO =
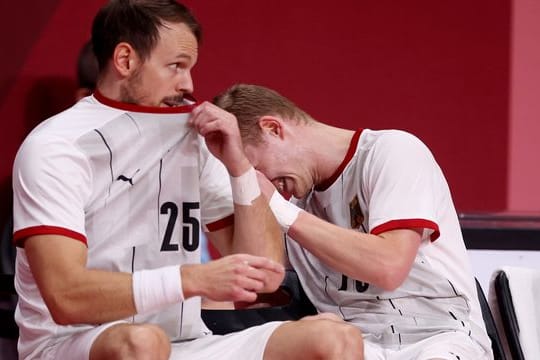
(77, 345)
(248, 344)
(448, 346)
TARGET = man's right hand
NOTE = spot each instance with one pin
(220, 131)
(236, 277)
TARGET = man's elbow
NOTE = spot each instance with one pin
(62, 319)
(64, 312)
(392, 276)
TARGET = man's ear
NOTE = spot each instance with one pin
(125, 59)
(271, 125)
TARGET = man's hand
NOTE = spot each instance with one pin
(220, 130)
(236, 277)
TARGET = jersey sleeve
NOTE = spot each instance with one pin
(217, 206)
(404, 179)
(51, 185)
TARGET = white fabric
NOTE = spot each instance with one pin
(77, 346)
(390, 180)
(524, 286)
(157, 288)
(134, 186)
(285, 212)
(245, 188)
(247, 344)
(444, 346)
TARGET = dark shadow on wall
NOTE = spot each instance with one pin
(7, 200)
(47, 97)
(7, 250)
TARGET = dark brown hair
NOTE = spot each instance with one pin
(136, 22)
(87, 67)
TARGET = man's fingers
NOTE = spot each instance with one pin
(207, 112)
(244, 295)
(257, 274)
(250, 284)
(263, 263)
(209, 128)
(204, 122)
(201, 108)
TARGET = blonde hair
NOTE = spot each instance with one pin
(251, 102)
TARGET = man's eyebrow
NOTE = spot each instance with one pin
(183, 56)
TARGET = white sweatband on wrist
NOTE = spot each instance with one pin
(245, 188)
(157, 288)
(284, 211)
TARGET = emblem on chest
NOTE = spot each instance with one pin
(357, 218)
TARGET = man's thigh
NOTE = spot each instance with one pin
(447, 346)
(75, 346)
(248, 344)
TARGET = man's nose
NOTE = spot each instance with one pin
(185, 85)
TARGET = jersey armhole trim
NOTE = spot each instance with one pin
(20, 236)
(408, 224)
(220, 224)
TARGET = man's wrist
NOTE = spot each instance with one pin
(245, 188)
(238, 167)
(190, 287)
(157, 288)
(285, 212)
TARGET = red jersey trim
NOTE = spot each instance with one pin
(220, 224)
(408, 224)
(145, 109)
(352, 149)
(21, 235)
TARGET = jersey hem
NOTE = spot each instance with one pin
(220, 224)
(20, 236)
(408, 224)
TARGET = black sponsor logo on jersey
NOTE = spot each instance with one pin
(357, 219)
(128, 179)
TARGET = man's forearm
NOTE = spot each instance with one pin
(256, 231)
(384, 259)
(91, 297)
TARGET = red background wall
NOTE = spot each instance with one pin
(439, 69)
(523, 169)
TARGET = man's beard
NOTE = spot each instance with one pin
(130, 93)
(175, 100)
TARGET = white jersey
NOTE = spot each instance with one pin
(389, 180)
(135, 184)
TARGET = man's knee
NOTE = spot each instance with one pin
(334, 340)
(136, 342)
(316, 338)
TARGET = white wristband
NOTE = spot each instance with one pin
(284, 211)
(245, 188)
(157, 288)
